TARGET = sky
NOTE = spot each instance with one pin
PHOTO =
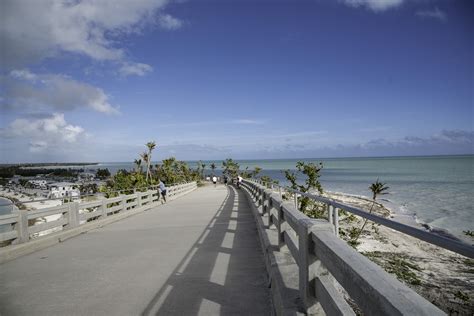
(95, 80)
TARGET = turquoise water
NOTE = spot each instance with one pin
(437, 190)
(5, 206)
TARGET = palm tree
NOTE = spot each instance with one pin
(151, 146)
(377, 188)
(203, 166)
(145, 158)
(138, 163)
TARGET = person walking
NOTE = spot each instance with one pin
(239, 181)
(162, 189)
(214, 180)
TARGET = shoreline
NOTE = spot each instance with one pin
(398, 215)
(441, 276)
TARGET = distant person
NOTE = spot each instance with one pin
(239, 181)
(225, 180)
(162, 189)
(214, 180)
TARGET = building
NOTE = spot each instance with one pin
(85, 176)
(63, 189)
(42, 184)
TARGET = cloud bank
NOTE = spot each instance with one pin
(34, 30)
(25, 90)
(435, 13)
(374, 5)
(42, 134)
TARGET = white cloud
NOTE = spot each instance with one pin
(248, 122)
(44, 132)
(436, 14)
(24, 74)
(169, 22)
(26, 90)
(34, 30)
(137, 69)
(215, 122)
(375, 5)
(38, 146)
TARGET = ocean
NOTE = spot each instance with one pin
(436, 190)
(5, 206)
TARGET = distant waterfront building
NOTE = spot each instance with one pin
(42, 184)
(15, 180)
(85, 176)
(63, 189)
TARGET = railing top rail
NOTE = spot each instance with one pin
(441, 241)
(368, 285)
(151, 187)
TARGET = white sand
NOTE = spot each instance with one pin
(445, 276)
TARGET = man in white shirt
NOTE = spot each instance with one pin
(214, 180)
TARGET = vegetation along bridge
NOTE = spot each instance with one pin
(208, 251)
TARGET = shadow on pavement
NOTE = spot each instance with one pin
(223, 273)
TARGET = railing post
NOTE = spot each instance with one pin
(103, 209)
(72, 215)
(309, 266)
(266, 208)
(281, 227)
(139, 199)
(123, 203)
(22, 227)
(336, 221)
(296, 200)
(269, 210)
(330, 214)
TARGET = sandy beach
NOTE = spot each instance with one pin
(443, 277)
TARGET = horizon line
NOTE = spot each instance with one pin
(253, 159)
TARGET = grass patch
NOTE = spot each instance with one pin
(397, 264)
(469, 233)
(462, 296)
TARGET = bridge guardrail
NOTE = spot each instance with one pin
(459, 247)
(322, 258)
(75, 214)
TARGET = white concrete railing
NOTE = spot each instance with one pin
(322, 257)
(75, 214)
(332, 208)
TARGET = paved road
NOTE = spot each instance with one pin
(197, 255)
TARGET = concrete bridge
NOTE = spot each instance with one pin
(209, 251)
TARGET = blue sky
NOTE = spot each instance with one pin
(96, 80)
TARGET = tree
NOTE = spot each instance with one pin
(213, 167)
(231, 168)
(125, 182)
(256, 171)
(151, 146)
(102, 173)
(377, 188)
(268, 181)
(145, 158)
(251, 174)
(312, 173)
(138, 164)
(88, 188)
(174, 171)
(200, 168)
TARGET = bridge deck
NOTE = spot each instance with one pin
(199, 254)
